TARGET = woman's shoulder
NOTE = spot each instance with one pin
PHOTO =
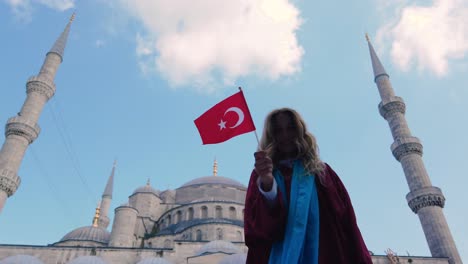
(326, 168)
(328, 175)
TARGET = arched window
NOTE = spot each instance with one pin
(189, 236)
(169, 220)
(199, 235)
(204, 212)
(219, 234)
(232, 213)
(190, 214)
(178, 217)
(219, 212)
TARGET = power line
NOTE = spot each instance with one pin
(66, 139)
(50, 183)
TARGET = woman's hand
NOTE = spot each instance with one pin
(264, 169)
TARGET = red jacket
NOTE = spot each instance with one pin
(340, 240)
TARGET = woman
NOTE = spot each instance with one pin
(297, 209)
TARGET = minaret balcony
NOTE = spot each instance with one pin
(394, 105)
(20, 126)
(9, 181)
(406, 146)
(41, 85)
(429, 196)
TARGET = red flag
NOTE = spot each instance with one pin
(227, 119)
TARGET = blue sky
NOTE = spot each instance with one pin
(137, 73)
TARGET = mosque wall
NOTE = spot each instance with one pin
(183, 252)
(202, 210)
(201, 192)
(63, 255)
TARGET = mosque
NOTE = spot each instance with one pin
(202, 220)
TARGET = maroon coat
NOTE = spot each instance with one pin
(340, 240)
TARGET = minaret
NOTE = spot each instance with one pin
(424, 199)
(215, 168)
(106, 200)
(22, 130)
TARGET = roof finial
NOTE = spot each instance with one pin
(148, 182)
(367, 37)
(96, 214)
(215, 168)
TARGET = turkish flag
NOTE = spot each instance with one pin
(227, 119)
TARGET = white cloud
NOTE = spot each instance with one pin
(428, 37)
(23, 8)
(59, 5)
(212, 42)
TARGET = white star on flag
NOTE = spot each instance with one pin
(222, 125)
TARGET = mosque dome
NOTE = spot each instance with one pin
(88, 233)
(87, 260)
(218, 246)
(211, 188)
(21, 259)
(239, 258)
(214, 180)
(154, 261)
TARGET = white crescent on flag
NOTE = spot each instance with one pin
(239, 113)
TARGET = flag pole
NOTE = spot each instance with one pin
(255, 131)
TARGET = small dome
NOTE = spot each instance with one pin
(21, 259)
(214, 180)
(146, 189)
(87, 260)
(168, 196)
(168, 193)
(218, 246)
(127, 205)
(88, 233)
(239, 258)
(154, 261)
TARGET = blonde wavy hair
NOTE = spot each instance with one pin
(306, 143)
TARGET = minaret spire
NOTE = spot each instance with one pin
(97, 215)
(110, 183)
(60, 43)
(376, 64)
(424, 199)
(106, 200)
(22, 130)
(379, 71)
